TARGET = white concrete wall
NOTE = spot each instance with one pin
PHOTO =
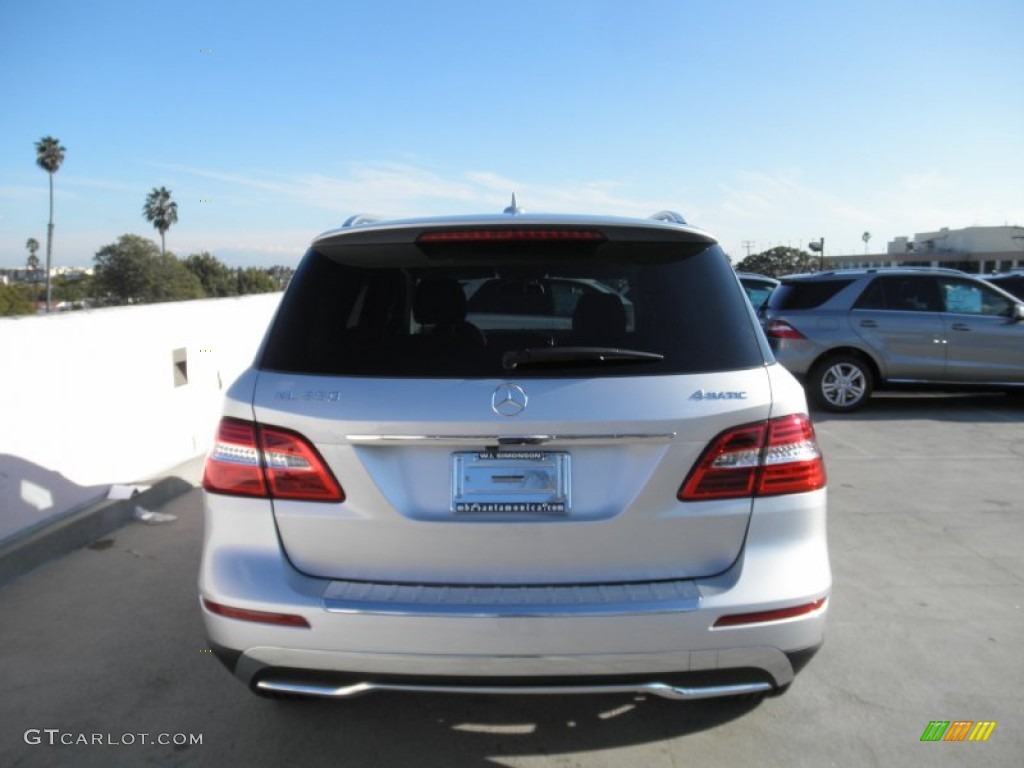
(92, 394)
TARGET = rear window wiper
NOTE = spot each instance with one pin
(527, 358)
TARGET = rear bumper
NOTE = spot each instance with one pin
(665, 645)
(729, 673)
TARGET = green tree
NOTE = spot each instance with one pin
(15, 301)
(161, 212)
(49, 157)
(216, 278)
(779, 261)
(174, 282)
(124, 269)
(33, 261)
(283, 275)
(73, 289)
(134, 271)
(254, 280)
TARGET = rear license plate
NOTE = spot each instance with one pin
(534, 482)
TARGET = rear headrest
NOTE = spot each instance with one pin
(439, 301)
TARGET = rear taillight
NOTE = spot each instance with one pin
(267, 462)
(780, 329)
(234, 465)
(764, 459)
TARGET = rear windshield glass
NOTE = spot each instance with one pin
(669, 308)
(1014, 285)
(758, 291)
(805, 294)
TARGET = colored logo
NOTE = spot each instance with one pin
(958, 730)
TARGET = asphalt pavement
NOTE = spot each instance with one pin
(104, 661)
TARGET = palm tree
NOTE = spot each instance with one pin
(33, 261)
(865, 237)
(49, 156)
(160, 211)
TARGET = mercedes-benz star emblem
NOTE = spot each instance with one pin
(508, 400)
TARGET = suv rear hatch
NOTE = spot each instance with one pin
(540, 436)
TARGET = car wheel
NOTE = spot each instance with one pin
(841, 383)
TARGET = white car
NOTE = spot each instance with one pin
(400, 499)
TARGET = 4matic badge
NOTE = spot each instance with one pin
(701, 394)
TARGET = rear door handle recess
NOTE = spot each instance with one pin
(961, 327)
(868, 324)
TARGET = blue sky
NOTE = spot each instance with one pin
(766, 123)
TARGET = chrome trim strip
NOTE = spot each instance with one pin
(510, 439)
(652, 688)
(354, 597)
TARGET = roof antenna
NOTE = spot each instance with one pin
(513, 208)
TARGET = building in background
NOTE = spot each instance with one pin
(978, 250)
(10, 275)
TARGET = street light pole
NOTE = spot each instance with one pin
(818, 246)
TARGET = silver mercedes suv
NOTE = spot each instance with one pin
(515, 454)
(849, 332)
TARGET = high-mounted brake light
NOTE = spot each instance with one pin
(513, 235)
(267, 462)
(763, 459)
(780, 329)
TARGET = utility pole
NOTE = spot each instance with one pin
(748, 244)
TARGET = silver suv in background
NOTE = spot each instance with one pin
(757, 287)
(1011, 282)
(515, 454)
(849, 332)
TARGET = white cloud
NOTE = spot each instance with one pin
(784, 198)
(246, 248)
(397, 189)
(388, 188)
(764, 207)
(18, 194)
(493, 182)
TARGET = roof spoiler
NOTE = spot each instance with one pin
(671, 217)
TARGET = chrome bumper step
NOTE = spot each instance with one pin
(678, 596)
